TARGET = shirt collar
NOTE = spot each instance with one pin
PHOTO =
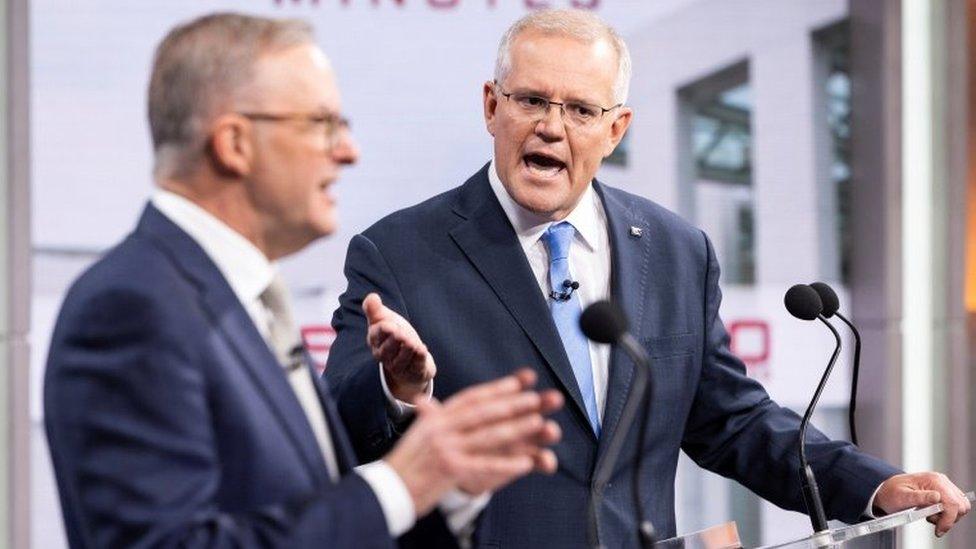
(245, 267)
(588, 216)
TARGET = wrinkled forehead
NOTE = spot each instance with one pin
(551, 62)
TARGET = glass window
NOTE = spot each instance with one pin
(834, 44)
(720, 110)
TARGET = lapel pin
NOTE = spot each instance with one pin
(636, 232)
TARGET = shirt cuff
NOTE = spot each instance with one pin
(460, 510)
(398, 409)
(869, 512)
(392, 494)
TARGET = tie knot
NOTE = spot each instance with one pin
(557, 238)
(283, 336)
(275, 296)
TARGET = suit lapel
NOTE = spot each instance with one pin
(631, 258)
(489, 242)
(237, 328)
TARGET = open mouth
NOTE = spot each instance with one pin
(543, 164)
(325, 187)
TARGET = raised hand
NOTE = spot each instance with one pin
(407, 365)
(481, 439)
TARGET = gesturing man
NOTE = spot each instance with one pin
(485, 273)
(179, 406)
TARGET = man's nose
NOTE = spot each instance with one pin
(552, 126)
(346, 150)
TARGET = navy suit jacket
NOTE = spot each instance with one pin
(170, 422)
(454, 268)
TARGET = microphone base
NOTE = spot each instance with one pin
(811, 497)
(648, 536)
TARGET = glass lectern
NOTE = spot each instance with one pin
(881, 533)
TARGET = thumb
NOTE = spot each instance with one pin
(373, 307)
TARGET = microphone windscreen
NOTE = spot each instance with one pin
(603, 322)
(803, 302)
(828, 297)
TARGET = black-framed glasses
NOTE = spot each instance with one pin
(577, 114)
(334, 124)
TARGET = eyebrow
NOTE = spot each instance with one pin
(530, 91)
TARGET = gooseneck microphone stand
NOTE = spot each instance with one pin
(811, 493)
(638, 401)
(857, 366)
(604, 322)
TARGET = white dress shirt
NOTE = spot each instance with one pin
(248, 272)
(589, 260)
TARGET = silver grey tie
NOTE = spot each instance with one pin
(283, 335)
(285, 341)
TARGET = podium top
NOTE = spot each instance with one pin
(848, 533)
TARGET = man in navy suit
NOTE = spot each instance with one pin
(484, 273)
(179, 404)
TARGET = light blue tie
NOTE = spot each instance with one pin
(566, 311)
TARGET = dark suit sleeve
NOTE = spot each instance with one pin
(352, 373)
(128, 414)
(736, 430)
(353, 376)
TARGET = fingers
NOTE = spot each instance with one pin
(395, 345)
(946, 519)
(954, 502)
(393, 329)
(503, 408)
(485, 392)
(545, 461)
(955, 506)
(384, 323)
(411, 356)
(551, 433)
(552, 400)
(921, 498)
(508, 385)
(488, 435)
(501, 435)
(373, 308)
(496, 470)
(923, 489)
(532, 443)
(526, 376)
(426, 407)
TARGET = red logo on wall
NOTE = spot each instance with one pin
(318, 340)
(750, 342)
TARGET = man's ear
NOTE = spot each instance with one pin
(231, 144)
(491, 104)
(618, 129)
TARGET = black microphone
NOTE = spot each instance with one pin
(604, 322)
(804, 303)
(569, 286)
(831, 303)
(296, 357)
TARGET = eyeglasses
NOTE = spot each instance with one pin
(334, 124)
(576, 114)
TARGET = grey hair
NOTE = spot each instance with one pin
(203, 64)
(578, 24)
